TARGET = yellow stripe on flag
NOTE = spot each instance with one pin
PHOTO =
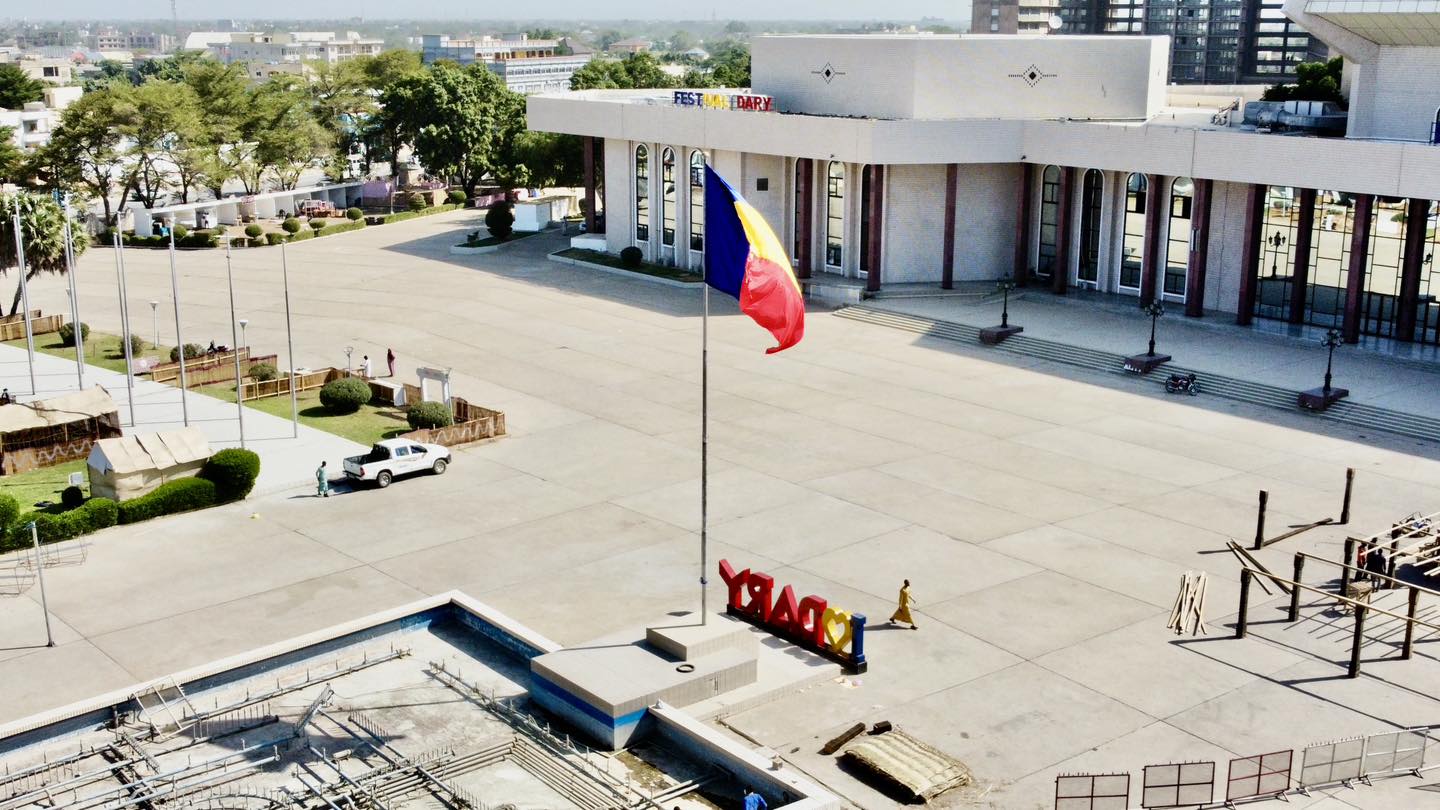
(763, 242)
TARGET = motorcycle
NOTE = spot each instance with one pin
(1182, 383)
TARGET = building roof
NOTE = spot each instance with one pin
(200, 40)
(150, 451)
(61, 410)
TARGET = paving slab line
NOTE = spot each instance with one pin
(1344, 412)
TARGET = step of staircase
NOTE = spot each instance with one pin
(1344, 412)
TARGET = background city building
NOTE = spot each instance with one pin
(527, 65)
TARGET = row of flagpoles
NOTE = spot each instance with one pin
(118, 243)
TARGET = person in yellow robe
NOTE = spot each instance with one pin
(902, 612)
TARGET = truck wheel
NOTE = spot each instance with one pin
(383, 479)
(440, 465)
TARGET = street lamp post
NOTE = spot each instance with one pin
(1318, 399)
(349, 350)
(1331, 341)
(1005, 285)
(991, 335)
(1145, 363)
(1154, 309)
(155, 319)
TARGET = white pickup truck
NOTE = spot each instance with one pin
(395, 457)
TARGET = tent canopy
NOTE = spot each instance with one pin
(64, 409)
(151, 451)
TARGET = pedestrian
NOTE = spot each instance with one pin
(322, 482)
(390, 360)
(366, 367)
(754, 801)
(902, 612)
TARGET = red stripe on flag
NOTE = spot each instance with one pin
(769, 296)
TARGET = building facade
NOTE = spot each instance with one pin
(1066, 167)
(150, 41)
(296, 46)
(527, 65)
(1013, 16)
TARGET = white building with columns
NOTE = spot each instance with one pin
(1065, 162)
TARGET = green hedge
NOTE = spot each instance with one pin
(401, 216)
(345, 395)
(91, 516)
(233, 472)
(429, 415)
(180, 495)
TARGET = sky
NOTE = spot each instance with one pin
(479, 9)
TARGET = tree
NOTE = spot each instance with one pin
(736, 27)
(42, 228)
(729, 65)
(607, 38)
(597, 74)
(84, 150)
(388, 67)
(638, 70)
(160, 121)
(551, 159)
(223, 99)
(18, 89)
(12, 160)
(681, 40)
(458, 120)
(1314, 81)
(287, 135)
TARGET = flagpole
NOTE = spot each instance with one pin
(25, 295)
(74, 296)
(704, 444)
(119, 245)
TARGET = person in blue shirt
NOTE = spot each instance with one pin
(754, 801)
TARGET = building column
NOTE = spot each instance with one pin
(1020, 273)
(1300, 272)
(1359, 265)
(1199, 249)
(877, 226)
(947, 262)
(1416, 215)
(1060, 273)
(1250, 254)
(587, 149)
(805, 216)
(1156, 196)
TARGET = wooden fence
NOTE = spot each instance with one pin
(19, 317)
(210, 368)
(472, 423)
(15, 329)
(308, 381)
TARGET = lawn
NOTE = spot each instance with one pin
(366, 426)
(105, 351)
(645, 268)
(43, 484)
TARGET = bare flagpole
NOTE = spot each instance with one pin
(179, 340)
(704, 443)
(74, 295)
(290, 346)
(235, 348)
(124, 315)
(25, 295)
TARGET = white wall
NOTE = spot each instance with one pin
(914, 236)
(1393, 101)
(946, 77)
(619, 191)
(986, 213)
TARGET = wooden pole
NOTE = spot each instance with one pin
(1240, 624)
(1359, 636)
(1345, 504)
(1410, 625)
(1260, 521)
(1295, 592)
(1349, 558)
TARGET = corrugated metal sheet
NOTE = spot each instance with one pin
(922, 769)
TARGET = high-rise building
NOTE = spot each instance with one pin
(1012, 16)
(1211, 41)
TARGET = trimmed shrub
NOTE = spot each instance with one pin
(418, 201)
(180, 232)
(256, 242)
(9, 511)
(180, 495)
(239, 241)
(300, 237)
(71, 497)
(455, 197)
(199, 239)
(233, 472)
(66, 333)
(264, 372)
(192, 351)
(344, 395)
(253, 230)
(317, 224)
(290, 225)
(428, 416)
(274, 238)
(354, 214)
(137, 344)
(500, 220)
(100, 513)
(632, 258)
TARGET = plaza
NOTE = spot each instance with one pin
(1043, 513)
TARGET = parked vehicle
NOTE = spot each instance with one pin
(1182, 384)
(395, 457)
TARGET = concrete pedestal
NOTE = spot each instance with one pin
(1145, 363)
(1318, 399)
(991, 335)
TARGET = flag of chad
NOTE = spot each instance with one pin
(744, 260)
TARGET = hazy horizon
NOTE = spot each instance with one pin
(459, 10)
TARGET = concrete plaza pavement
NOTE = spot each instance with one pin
(1044, 514)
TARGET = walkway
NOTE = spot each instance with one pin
(285, 461)
(1214, 344)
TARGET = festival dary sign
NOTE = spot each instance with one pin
(749, 102)
(810, 622)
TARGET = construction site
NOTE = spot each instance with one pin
(428, 710)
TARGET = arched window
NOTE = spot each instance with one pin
(1049, 220)
(642, 193)
(697, 200)
(835, 214)
(1092, 194)
(667, 197)
(1177, 254)
(1132, 254)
